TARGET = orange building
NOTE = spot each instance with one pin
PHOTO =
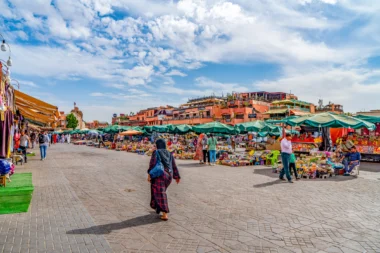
(149, 116)
(290, 107)
(233, 109)
(96, 124)
(330, 107)
(208, 109)
(263, 96)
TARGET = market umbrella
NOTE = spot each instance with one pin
(83, 131)
(329, 119)
(256, 126)
(131, 133)
(148, 129)
(215, 127)
(372, 119)
(162, 128)
(94, 132)
(181, 129)
(115, 129)
(292, 131)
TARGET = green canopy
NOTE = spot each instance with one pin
(181, 129)
(93, 131)
(215, 127)
(75, 131)
(281, 121)
(115, 129)
(329, 119)
(288, 131)
(256, 126)
(148, 129)
(372, 119)
(83, 131)
(162, 128)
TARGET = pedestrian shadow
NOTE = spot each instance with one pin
(108, 228)
(269, 173)
(268, 184)
(192, 165)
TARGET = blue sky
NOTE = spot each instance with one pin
(118, 56)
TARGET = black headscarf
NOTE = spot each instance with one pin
(165, 155)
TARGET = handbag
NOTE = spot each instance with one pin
(158, 169)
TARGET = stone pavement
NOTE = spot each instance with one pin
(95, 200)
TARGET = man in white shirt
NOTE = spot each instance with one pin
(286, 151)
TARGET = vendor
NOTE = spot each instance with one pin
(353, 159)
(346, 145)
(309, 138)
(296, 138)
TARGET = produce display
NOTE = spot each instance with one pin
(251, 158)
(304, 147)
(316, 165)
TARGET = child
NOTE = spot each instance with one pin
(292, 165)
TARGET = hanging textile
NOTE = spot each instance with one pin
(5, 133)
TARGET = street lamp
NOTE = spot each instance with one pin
(3, 48)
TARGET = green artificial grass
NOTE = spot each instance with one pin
(16, 196)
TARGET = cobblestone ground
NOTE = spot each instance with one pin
(94, 200)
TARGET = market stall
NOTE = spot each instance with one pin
(324, 121)
(368, 142)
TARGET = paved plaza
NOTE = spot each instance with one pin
(95, 200)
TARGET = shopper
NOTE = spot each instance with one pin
(33, 137)
(43, 140)
(286, 151)
(50, 139)
(68, 138)
(199, 149)
(24, 144)
(204, 150)
(211, 144)
(160, 184)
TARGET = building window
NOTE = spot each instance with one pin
(240, 116)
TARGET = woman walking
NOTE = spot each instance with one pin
(159, 200)
(199, 150)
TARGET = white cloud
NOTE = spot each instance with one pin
(27, 83)
(78, 40)
(175, 72)
(353, 88)
(116, 86)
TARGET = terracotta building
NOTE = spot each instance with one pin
(231, 109)
(208, 109)
(149, 116)
(263, 96)
(77, 113)
(290, 107)
(96, 124)
(330, 107)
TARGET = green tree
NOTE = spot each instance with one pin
(72, 121)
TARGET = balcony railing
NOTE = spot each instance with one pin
(196, 117)
(290, 108)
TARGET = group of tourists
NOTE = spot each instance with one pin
(206, 149)
(23, 142)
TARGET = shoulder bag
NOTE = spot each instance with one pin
(158, 169)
